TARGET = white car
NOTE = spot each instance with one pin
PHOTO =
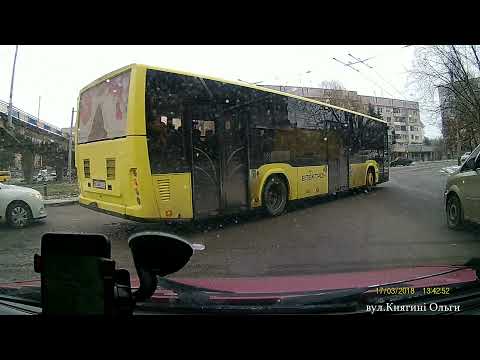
(19, 206)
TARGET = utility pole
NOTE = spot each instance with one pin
(38, 114)
(459, 146)
(70, 148)
(38, 118)
(10, 121)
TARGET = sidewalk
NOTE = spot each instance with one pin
(450, 169)
(436, 161)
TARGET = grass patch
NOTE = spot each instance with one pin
(55, 190)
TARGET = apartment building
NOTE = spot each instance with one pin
(403, 116)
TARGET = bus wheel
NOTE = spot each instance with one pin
(454, 212)
(275, 196)
(370, 181)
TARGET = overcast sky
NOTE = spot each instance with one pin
(57, 73)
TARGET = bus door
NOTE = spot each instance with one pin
(234, 161)
(205, 167)
(219, 162)
(337, 158)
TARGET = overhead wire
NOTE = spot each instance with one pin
(364, 76)
(401, 93)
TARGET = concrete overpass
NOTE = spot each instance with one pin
(31, 126)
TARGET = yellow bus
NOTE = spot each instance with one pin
(5, 175)
(155, 144)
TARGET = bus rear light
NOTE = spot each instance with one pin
(133, 176)
(169, 213)
(86, 168)
(110, 164)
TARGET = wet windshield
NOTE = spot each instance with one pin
(313, 168)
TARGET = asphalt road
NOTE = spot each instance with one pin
(401, 223)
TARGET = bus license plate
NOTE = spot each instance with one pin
(99, 184)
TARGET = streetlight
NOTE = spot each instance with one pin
(70, 148)
(10, 121)
(301, 77)
(251, 83)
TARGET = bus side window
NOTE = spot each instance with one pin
(166, 111)
(166, 144)
(203, 137)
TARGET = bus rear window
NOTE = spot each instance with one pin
(103, 110)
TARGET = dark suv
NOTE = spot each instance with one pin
(401, 162)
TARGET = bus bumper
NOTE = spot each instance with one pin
(94, 206)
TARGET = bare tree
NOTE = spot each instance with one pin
(332, 85)
(336, 94)
(451, 72)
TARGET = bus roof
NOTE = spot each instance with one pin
(243, 84)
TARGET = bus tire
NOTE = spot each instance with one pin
(370, 180)
(454, 212)
(275, 195)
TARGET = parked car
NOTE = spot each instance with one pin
(402, 162)
(44, 177)
(5, 175)
(40, 178)
(19, 205)
(464, 157)
(462, 192)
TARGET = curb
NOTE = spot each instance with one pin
(59, 203)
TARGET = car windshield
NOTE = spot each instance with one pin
(312, 169)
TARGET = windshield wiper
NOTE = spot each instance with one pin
(22, 295)
(188, 295)
(20, 300)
